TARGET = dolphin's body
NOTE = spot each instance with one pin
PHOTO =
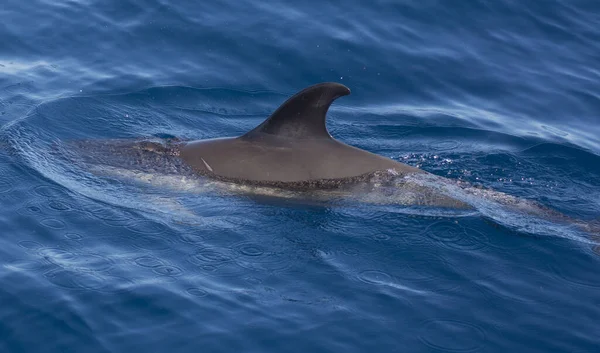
(290, 149)
(293, 151)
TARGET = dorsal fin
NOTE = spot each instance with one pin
(302, 115)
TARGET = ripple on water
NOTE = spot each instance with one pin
(53, 223)
(197, 292)
(444, 145)
(452, 335)
(73, 236)
(50, 192)
(30, 245)
(149, 261)
(456, 236)
(6, 182)
(31, 209)
(59, 206)
(87, 281)
(86, 262)
(216, 261)
(110, 216)
(379, 236)
(256, 257)
(168, 270)
(375, 277)
(436, 146)
(147, 227)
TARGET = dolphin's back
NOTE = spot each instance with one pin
(273, 159)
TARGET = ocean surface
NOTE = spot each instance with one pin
(502, 94)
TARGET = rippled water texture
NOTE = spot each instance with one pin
(502, 95)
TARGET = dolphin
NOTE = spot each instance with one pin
(291, 149)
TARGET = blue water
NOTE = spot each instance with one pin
(505, 94)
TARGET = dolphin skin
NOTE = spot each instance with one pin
(290, 149)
